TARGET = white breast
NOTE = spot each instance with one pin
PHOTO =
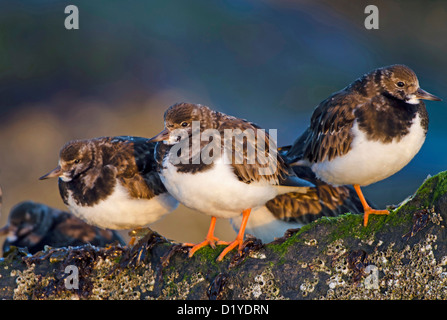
(216, 191)
(371, 161)
(120, 211)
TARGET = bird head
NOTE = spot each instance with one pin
(22, 220)
(75, 158)
(179, 120)
(401, 82)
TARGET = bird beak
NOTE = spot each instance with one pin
(422, 94)
(23, 231)
(6, 230)
(162, 136)
(56, 172)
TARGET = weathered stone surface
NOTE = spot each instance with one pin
(400, 256)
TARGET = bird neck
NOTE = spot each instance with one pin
(368, 85)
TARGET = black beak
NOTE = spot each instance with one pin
(422, 94)
(162, 136)
(56, 172)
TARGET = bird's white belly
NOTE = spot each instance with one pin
(120, 211)
(216, 191)
(263, 225)
(371, 161)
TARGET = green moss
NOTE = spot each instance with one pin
(351, 225)
(441, 187)
(426, 188)
(282, 248)
(209, 255)
(432, 188)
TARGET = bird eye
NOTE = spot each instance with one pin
(184, 124)
(400, 84)
(77, 161)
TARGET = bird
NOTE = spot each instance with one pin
(112, 182)
(221, 166)
(34, 225)
(293, 210)
(365, 132)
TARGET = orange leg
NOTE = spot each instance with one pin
(132, 241)
(239, 238)
(138, 232)
(210, 240)
(366, 208)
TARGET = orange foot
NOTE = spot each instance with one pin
(239, 238)
(366, 208)
(368, 211)
(231, 246)
(210, 240)
(138, 232)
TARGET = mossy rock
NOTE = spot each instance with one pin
(399, 256)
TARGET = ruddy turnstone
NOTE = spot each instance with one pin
(367, 131)
(294, 210)
(204, 163)
(34, 225)
(112, 182)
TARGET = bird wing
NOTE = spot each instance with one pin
(72, 231)
(329, 133)
(135, 162)
(295, 152)
(324, 200)
(254, 155)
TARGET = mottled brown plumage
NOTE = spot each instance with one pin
(379, 105)
(224, 184)
(112, 182)
(367, 131)
(245, 168)
(323, 201)
(93, 165)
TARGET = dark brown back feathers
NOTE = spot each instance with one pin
(324, 200)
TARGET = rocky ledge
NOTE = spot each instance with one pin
(399, 256)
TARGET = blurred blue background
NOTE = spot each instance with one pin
(270, 61)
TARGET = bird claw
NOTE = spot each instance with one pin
(209, 241)
(369, 211)
(237, 242)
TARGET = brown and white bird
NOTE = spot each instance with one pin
(293, 210)
(216, 175)
(112, 182)
(367, 131)
(35, 225)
